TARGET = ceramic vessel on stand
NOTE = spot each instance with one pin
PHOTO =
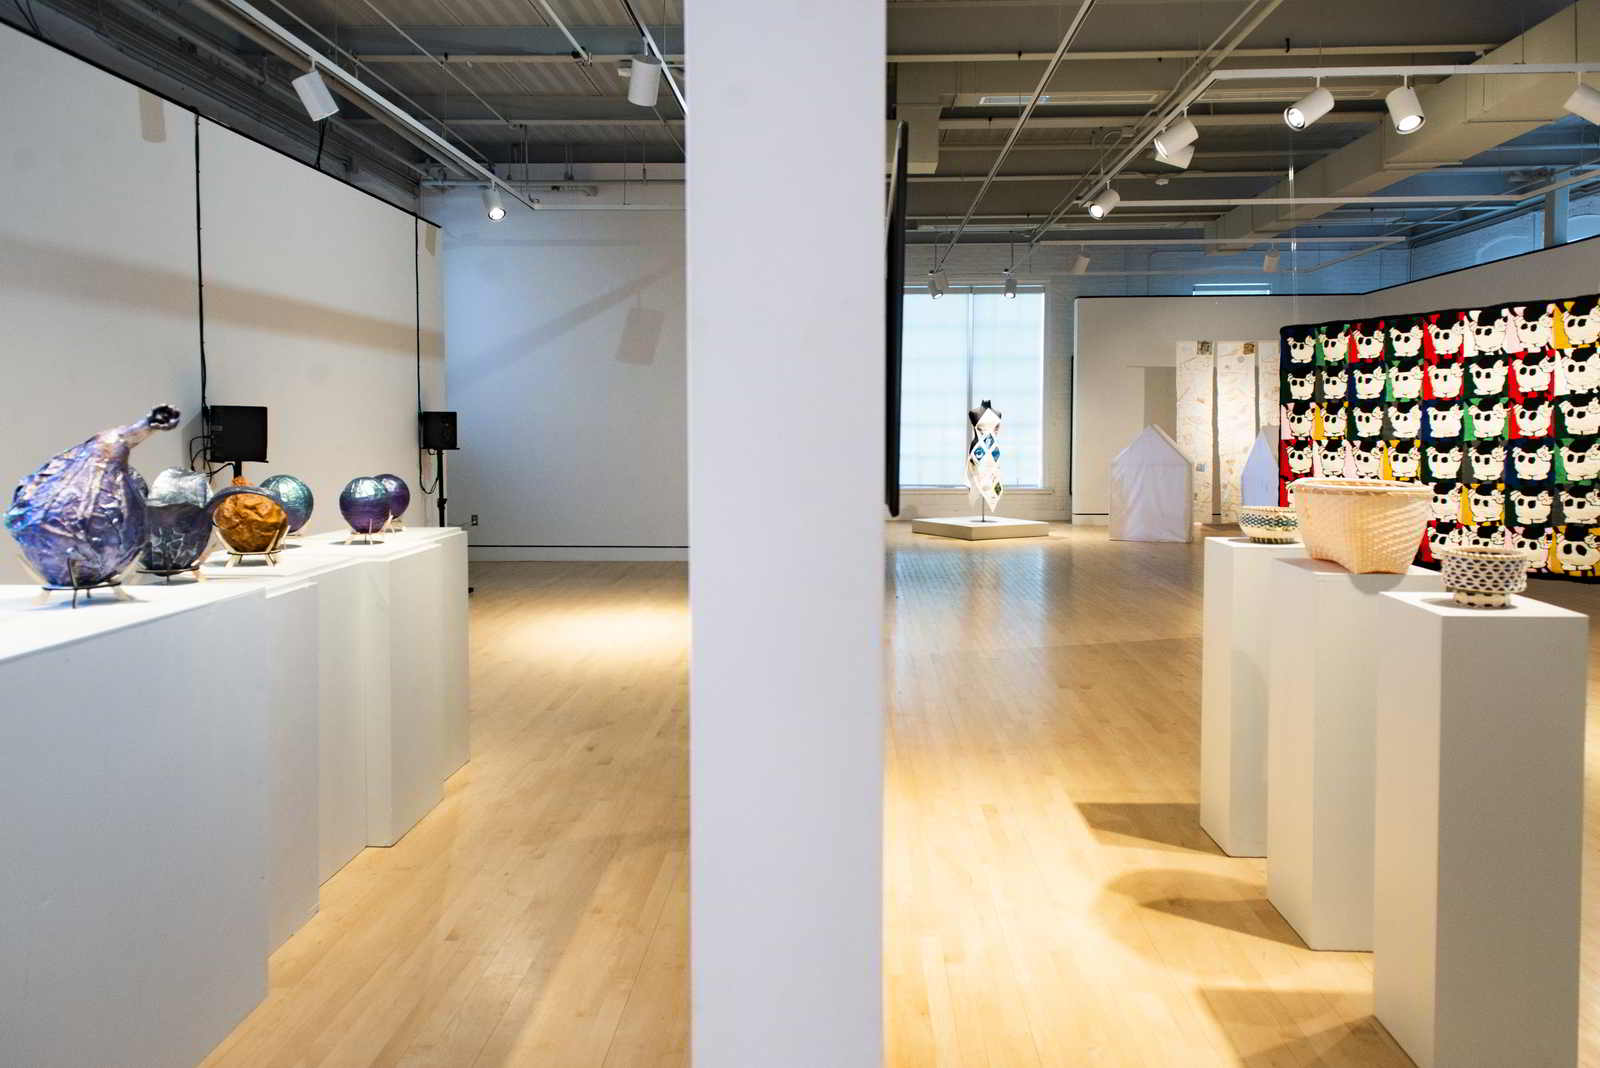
(249, 520)
(295, 496)
(1479, 577)
(399, 499)
(179, 517)
(365, 505)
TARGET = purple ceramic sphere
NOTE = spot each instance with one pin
(365, 505)
(399, 494)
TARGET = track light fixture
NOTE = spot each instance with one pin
(1308, 109)
(644, 81)
(1269, 262)
(938, 283)
(1009, 288)
(1405, 110)
(492, 205)
(1179, 159)
(1173, 139)
(1081, 264)
(1105, 203)
(315, 96)
(1584, 103)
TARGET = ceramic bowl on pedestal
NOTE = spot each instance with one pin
(1269, 525)
(1480, 577)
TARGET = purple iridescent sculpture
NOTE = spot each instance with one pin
(399, 495)
(80, 519)
(365, 505)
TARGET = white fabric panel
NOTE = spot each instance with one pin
(1196, 408)
(1152, 489)
(1236, 418)
(1266, 382)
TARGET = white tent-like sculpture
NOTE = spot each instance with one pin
(1259, 483)
(1152, 490)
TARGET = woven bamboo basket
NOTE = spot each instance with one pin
(1366, 525)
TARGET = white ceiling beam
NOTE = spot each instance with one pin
(1190, 53)
(1089, 122)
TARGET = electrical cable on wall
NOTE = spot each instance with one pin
(416, 277)
(200, 307)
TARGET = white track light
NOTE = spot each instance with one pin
(1308, 109)
(1010, 286)
(315, 96)
(1269, 262)
(938, 283)
(1405, 110)
(492, 205)
(644, 81)
(1081, 264)
(1179, 159)
(1171, 140)
(1584, 103)
(1105, 203)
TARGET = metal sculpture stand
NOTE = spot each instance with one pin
(166, 575)
(393, 525)
(367, 537)
(47, 588)
(270, 553)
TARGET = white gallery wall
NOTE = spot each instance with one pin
(311, 296)
(567, 365)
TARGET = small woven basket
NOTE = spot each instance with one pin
(1366, 525)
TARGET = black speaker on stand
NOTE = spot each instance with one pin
(438, 436)
(236, 434)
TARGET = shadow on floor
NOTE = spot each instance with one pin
(1255, 1022)
(1143, 825)
(1231, 904)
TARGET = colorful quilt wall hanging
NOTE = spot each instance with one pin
(1496, 409)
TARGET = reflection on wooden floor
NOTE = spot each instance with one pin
(1050, 898)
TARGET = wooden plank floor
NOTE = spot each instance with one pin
(1050, 898)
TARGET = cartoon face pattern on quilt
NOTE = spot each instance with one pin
(1496, 409)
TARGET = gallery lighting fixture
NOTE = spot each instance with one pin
(492, 205)
(1105, 203)
(1308, 109)
(1405, 110)
(1010, 286)
(938, 283)
(644, 81)
(1081, 264)
(1584, 103)
(1269, 262)
(1174, 138)
(1179, 159)
(315, 96)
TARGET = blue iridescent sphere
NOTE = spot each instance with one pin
(365, 504)
(399, 494)
(294, 495)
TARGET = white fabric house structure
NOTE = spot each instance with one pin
(1258, 484)
(1152, 486)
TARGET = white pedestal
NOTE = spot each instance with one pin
(288, 663)
(1233, 707)
(1321, 745)
(134, 752)
(971, 528)
(1480, 814)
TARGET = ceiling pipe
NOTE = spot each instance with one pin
(1067, 37)
(579, 53)
(374, 102)
(1191, 53)
(1177, 102)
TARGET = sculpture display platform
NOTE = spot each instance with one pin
(975, 528)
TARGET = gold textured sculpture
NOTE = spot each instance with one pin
(249, 519)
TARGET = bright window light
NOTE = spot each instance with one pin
(971, 345)
(1232, 289)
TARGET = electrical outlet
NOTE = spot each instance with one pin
(474, 518)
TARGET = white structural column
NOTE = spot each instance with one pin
(1480, 822)
(1321, 745)
(785, 411)
(1233, 693)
